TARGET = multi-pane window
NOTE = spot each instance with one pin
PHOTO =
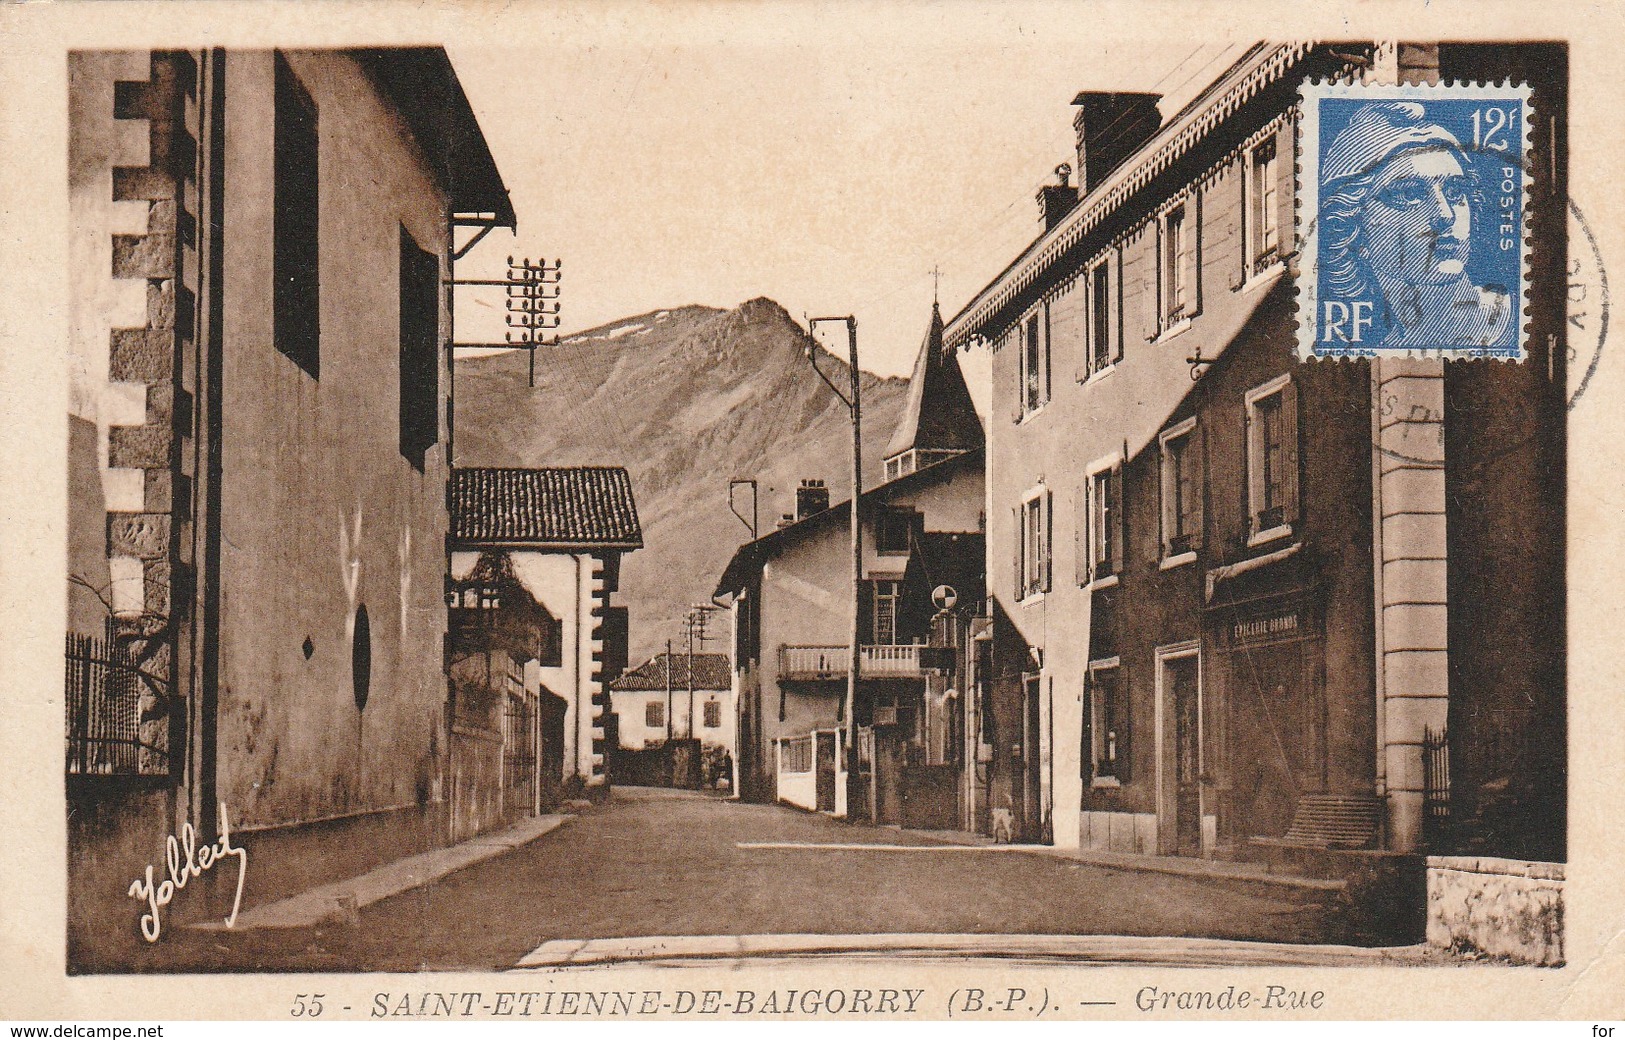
(1033, 561)
(1178, 263)
(893, 527)
(1181, 490)
(1103, 343)
(713, 714)
(654, 714)
(1263, 208)
(420, 355)
(295, 267)
(1272, 458)
(1103, 495)
(1034, 361)
(884, 616)
(1106, 723)
(1174, 263)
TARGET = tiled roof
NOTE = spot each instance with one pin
(575, 506)
(751, 555)
(711, 672)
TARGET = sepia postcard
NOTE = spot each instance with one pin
(749, 512)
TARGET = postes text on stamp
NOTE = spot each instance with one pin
(1413, 221)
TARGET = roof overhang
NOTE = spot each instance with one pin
(751, 554)
(1257, 69)
(422, 85)
(472, 544)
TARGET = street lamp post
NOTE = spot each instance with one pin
(854, 788)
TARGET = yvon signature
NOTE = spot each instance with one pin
(185, 861)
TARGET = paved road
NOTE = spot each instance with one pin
(668, 863)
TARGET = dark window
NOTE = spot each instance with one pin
(550, 644)
(1181, 494)
(420, 341)
(1035, 363)
(1272, 455)
(1036, 559)
(892, 530)
(1108, 722)
(1263, 217)
(1106, 522)
(654, 714)
(713, 714)
(1100, 329)
(1174, 264)
(295, 253)
(1270, 448)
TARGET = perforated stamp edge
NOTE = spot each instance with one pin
(1306, 224)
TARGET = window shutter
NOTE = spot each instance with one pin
(1254, 467)
(1289, 450)
(1125, 727)
(1285, 226)
(1165, 499)
(1196, 462)
(1193, 252)
(1043, 356)
(1085, 293)
(1114, 296)
(1118, 520)
(1080, 534)
(866, 611)
(1086, 745)
(1046, 556)
(1020, 542)
(1086, 352)
(1015, 342)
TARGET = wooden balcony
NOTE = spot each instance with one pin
(832, 662)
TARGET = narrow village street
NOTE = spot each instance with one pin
(662, 863)
(1153, 580)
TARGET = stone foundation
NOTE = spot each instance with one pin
(1499, 907)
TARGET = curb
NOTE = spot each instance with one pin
(1096, 949)
(340, 901)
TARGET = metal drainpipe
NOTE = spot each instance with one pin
(1379, 643)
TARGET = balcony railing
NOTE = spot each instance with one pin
(898, 661)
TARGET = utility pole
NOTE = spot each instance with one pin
(699, 616)
(691, 622)
(668, 691)
(750, 524)
(854, 788)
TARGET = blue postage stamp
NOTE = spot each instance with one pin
(1413, 221)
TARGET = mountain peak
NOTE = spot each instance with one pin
(685, 399)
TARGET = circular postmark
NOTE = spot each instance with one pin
(1573, 329)
(1586, 303)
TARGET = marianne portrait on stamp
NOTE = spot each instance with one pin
(1397, 214)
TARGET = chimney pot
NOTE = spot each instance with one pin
(1111, 126)
(811, 497)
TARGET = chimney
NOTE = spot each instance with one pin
(1056, 200)
(785, 520)
(811, 497)
(1110, 126)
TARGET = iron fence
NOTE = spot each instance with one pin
(116, 712)
(1435, 785)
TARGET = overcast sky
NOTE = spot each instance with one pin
(825, 169)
